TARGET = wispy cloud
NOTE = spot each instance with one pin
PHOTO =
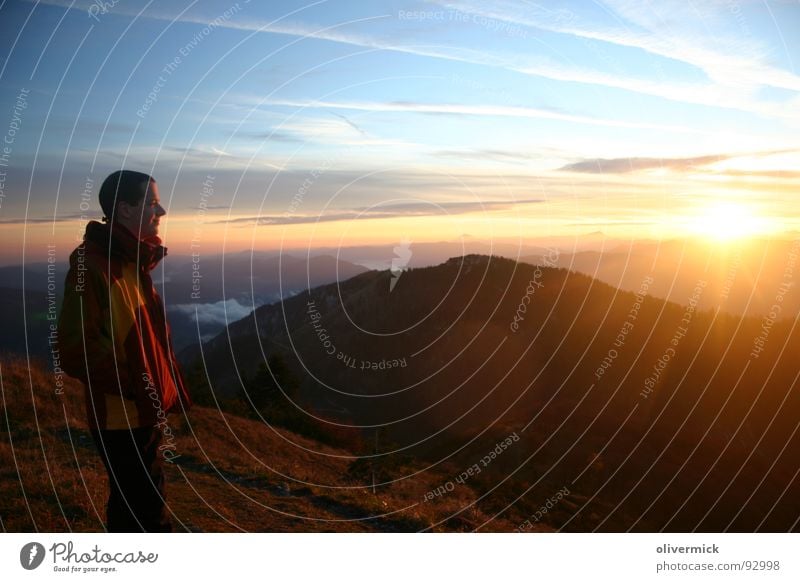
(43, 219)
(487, 154)
(674, 30)
(340, 132)
(211, 207)
(764, 174)
(349, 122)
(713, 94)
(703, 94)
(625, 165)
(664, 29)
(200, 156)
(456, 109)
(415, 209)
(619, 222)
(275, 136)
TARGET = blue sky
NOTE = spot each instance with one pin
(627, 117)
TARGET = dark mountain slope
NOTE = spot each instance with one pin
(659, 409)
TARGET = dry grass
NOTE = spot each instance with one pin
(233, 474)
(48, 481)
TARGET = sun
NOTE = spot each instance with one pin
(728, 221)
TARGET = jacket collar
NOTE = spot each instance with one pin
(123, 244)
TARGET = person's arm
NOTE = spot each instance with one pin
(86, 346)
(184, 401)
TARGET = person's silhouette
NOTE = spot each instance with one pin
(114, 337)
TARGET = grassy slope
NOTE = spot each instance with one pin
(233, 474)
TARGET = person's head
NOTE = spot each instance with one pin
(131, 199)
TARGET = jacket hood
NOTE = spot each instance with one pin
(124, 244)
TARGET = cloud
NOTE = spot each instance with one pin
(394, 211)
(351, 124)
(341, 131)
(754, 71)
(211, 207)
(201, 157)
(493, 154)
(766, 174)
(626, 165)
(735, 60)
(221, 312)
(620, 222)
(276, 136)
(477, 110)
(43, 219)
(673, 30)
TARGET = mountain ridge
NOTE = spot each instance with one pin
(469, 373)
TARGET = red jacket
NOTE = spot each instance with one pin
(113, 332)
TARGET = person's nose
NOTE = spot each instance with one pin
(160, 210)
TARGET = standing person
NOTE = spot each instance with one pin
(114, 337)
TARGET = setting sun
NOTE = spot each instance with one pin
(726, 221)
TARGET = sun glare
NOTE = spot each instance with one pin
(727, 221)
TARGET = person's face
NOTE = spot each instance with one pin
(144, 218)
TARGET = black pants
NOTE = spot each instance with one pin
(136, 502)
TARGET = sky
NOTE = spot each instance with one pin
(290, 125)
